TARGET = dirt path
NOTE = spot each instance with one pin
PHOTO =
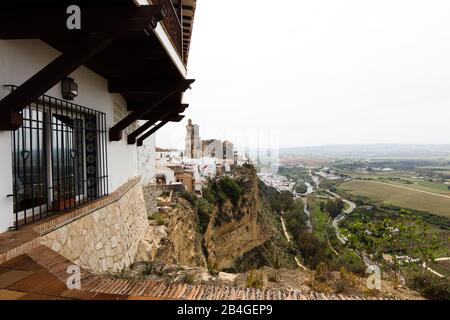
(289, 239)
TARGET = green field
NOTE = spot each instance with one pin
(432, 187)
(319, 219)
(394, 195)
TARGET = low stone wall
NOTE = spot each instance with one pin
(105, 239)
(150, 194)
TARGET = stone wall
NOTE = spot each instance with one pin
(107, 238)
(150, 194)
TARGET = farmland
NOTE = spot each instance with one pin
(399, 196)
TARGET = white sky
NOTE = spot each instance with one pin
(319, 72)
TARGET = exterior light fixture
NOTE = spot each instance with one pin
(69, 89)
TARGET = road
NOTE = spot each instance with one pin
(308, 221)
(442, 259)
(340, 217)
(315, 179)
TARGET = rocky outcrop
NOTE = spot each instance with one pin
(177, 242)
(151, 243)
(236, 228)
(242, 232)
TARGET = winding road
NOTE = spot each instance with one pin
(340, 217)
(308, 221)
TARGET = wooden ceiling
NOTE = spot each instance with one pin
(134, 62)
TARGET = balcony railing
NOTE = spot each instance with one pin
(172, 24)
(59, 158)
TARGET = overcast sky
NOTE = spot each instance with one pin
(319, 72)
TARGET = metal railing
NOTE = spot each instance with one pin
(59, 158)
(172, 24)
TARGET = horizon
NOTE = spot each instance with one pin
(334, 145)
(345, 72)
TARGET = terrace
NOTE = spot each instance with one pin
(178, 23)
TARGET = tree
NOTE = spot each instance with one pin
(391, 240)
(426, 244)
(322, 206)
(334, 207)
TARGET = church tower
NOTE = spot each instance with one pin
(193, 144)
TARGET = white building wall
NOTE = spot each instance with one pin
(19, 60)
(147, 160)
(168, 174)
(6, 203)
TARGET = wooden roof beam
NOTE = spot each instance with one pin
(151, 121)
(115, 133)
(176, 118)
(49, 76)
(177, 109)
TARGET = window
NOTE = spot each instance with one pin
(59, 158)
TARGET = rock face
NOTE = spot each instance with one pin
(152, 242)
(235, 229)
(240, 235)
(175, 243)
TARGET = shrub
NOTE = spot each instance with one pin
(209, 195)
(189, 197)
(274, 277)
(430, 286)
(254, 280)
(231, 189)
(204, 211)
(351, 262)
(148, 269)
(159, 218)
(188, 279)
(334, 207)
(322, 273)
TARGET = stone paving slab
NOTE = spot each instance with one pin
(40, 282)
(47, 280)
(11, 277)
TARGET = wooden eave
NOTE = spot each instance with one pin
(130, 57)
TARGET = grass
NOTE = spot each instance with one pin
(319, 219)
(384, 193)
(411, 176)
(159, 217)
(433, 187)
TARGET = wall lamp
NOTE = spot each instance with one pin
(69, 89)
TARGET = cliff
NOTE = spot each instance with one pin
(172, 238)
(243, 232)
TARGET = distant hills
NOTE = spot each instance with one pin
(371, 151)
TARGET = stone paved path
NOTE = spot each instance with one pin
(41, 274)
